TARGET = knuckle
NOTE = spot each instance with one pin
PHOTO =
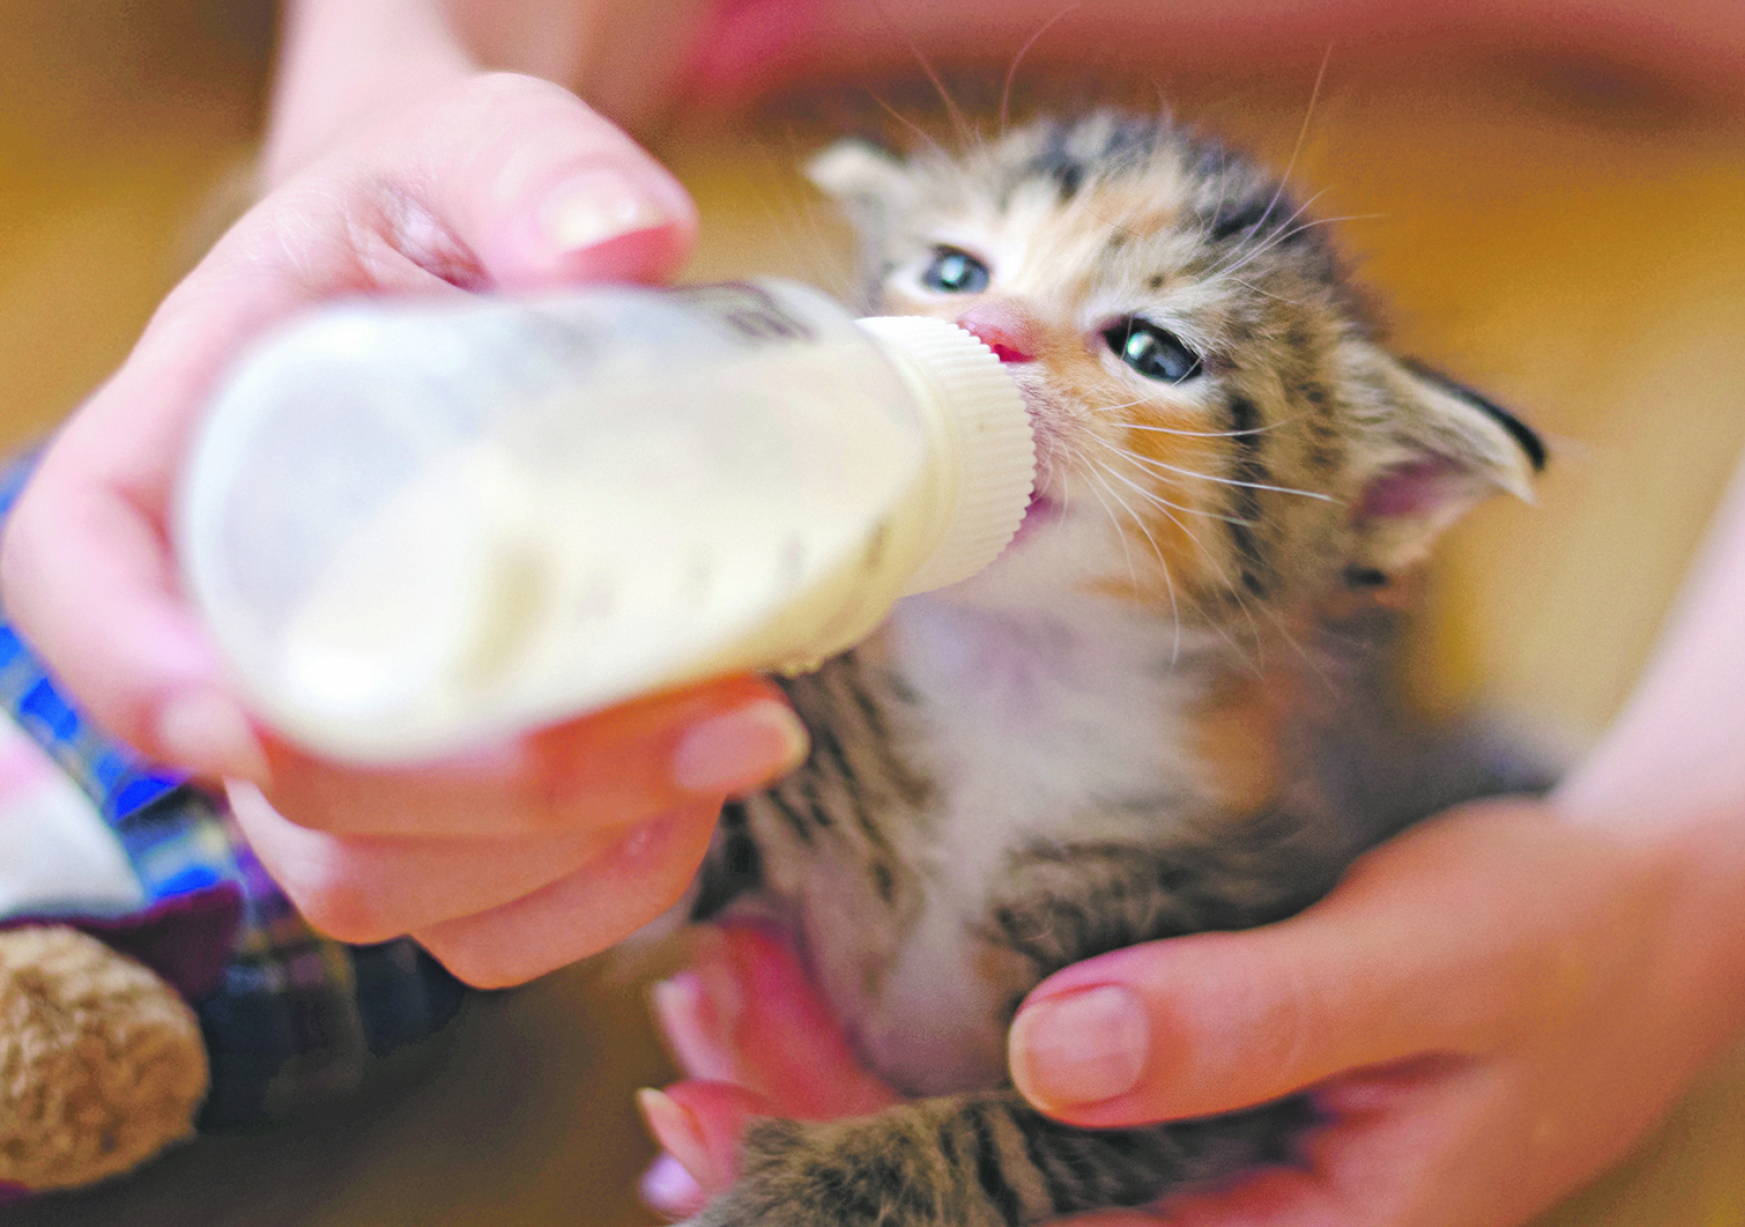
(472, 954)
(492, 90)
(1295, 1022)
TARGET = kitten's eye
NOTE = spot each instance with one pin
(1154, 352)
(955, 272)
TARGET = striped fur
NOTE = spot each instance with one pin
(1168, 708)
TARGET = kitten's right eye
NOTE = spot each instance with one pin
(955, 272)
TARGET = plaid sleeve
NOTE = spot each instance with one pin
(294, 1018)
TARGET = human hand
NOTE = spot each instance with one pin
(754, 1038)
(1487, 1012)
(522, 857)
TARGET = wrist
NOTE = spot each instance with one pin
(1706, 927)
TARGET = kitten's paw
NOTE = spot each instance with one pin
(986, 1161)
(879, 1170)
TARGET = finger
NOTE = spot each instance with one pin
(365, 889)
(1421, 950)
(691, 1024)
(700, 1124)
(603, 772)
(544, 191)
(746, 1013)
(640, 876)
(787, 1041)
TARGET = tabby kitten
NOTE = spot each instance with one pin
(1167, 708)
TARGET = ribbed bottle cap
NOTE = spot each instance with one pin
(990, 436)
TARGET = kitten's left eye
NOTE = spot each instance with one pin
(955, 272)
(1154, 352)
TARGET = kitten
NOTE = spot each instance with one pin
(1167, 708)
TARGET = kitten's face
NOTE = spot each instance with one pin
(1214, 424)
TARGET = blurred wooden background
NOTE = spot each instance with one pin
(1572, 242)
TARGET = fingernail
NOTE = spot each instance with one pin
(740, 750)
(676, 1002)
(205, 732)
(1080, 1048)
(598, 205)
(678, 1133)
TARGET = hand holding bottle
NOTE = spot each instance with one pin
(519, 859)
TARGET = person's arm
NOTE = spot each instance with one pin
(1676, 754)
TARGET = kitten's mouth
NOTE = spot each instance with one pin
(1041, 510)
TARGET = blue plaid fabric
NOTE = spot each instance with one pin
(295, 1018)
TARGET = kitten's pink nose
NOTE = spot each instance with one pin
(1003, 328)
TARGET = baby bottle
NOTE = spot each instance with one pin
(412, 527)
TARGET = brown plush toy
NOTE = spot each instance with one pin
(102, 1064)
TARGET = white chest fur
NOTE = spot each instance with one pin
(1041, 727)
(1042, 723)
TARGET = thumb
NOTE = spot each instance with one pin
(1441, 942)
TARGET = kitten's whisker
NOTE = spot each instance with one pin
(1205, 554)
(1244, 255)
(1115, 520)
(1254, 289)
(1158, 465)
(939, 150)
(1166, 507)
(1102, 471)
(1302, 129)
(1162, 502)
(1286, 235)
(1207, 218)
(1296, 150)
(1303, 653)
(1162, 561)
(959, 122)
(1212, 561)
(1257, 242)
(1012, 72)
(1126, 424)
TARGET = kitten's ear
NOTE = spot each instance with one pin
(867, 181)
(1436, 450)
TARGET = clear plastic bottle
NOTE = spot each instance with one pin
(413, 527)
